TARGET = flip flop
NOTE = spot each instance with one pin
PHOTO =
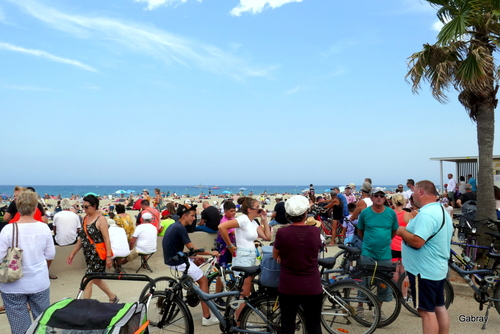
(51, 276)
(114, 300)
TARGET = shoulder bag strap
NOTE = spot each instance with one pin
(15, 235)
(432, 236)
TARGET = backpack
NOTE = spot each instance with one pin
(269, 268)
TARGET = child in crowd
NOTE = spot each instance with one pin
(348, 225)
(229, 213)
(445, 203)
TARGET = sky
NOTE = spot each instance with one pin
(179, 92)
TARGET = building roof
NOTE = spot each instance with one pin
(462, 159)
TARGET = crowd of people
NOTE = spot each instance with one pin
(411, 227)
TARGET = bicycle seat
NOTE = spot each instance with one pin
(249, 271)
(327, 263)
(495, 256)
(352, 250)
(493, 234)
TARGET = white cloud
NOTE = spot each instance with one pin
(257, 6)
(2, 15)
(437, 26)
(24, 88)
(293, 90)
(152, 42)
(46, 55)
(153, 4)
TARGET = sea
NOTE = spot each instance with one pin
(67, 191)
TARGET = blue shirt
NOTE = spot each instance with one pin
(472, 182)
(344, 203)
(431, 260)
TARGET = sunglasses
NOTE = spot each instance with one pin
(258, 210)
(87, 206)
(378, 195)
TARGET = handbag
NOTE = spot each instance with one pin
(11, 268)
(100, 247)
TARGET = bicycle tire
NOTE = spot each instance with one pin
(496, 296)
(230, 286)
(382, 283)
(449, 294)
(269, 306)
(161, 283)
(343, 262)
(471, 252)
(339, 311)
(179, 319)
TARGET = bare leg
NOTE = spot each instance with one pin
(430, 323)
(334, 233)
(203, 282)
(247, 287)
(102, 285)
(443, 319)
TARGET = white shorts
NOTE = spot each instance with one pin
(194, 272)
(245, 257)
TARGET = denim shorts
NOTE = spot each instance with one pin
(245, 257)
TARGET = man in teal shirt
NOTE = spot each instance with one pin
(377, 225)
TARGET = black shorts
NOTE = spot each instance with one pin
(396, 254)
(426, 294)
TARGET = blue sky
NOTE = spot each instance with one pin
(220, 92)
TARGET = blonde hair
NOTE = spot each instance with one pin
(65, 204)
(398, 199)
(27, 202)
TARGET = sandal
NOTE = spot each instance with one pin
(52, 276)
(114, 300)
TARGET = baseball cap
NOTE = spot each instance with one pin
(279, 196)
(347, 186)
(377, 190)
(366, 187)
(147, 216)
(188, 201)
(182, 209)
(296, 205)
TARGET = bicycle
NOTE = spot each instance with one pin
(169, 313)
(376, 277)
(342, 300)
(212, 270)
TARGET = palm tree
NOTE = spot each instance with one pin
(463, 58)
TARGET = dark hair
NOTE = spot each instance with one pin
(94, 201)
(461, 178)
(145, 202)
(31, 188)
(410, 181)
(351, 207)
(229, 205)
(246, 203)
(171, 208)
(296, 219)
(158, 190)
(497, 193)
(120, 208)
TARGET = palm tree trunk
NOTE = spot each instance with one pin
(485, 119)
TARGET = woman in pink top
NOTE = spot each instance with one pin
(403, 219)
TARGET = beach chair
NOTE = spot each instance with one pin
(144, 262)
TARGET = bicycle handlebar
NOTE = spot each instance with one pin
(186, 255)
(117, 277)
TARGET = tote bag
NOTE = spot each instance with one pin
(11, 267)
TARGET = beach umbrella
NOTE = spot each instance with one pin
(226, 192)
(4, 195)
(305, 190)
(242, 189)
(96, 195)
(130, 191)
(120, 192)
(327, 190)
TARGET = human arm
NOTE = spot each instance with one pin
(202, 222)
(190, 245)
(75, 250)
(410, 238)
(223, 230)
(264, 231)
(360, 206)
(132, 242)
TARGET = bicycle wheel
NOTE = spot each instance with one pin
(404, 284)
(496, 296)
(269, 307)
(162, 283)
(387, 292)
(177, 320)
(228, 286)
(349, 307)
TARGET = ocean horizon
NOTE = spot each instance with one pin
(190, 190)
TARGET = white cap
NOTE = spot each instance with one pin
(188, 201)
(147, 216)
(296, 205)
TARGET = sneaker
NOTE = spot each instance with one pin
(382, 316)
(220, 302)
(210, 321)
(360, 312)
